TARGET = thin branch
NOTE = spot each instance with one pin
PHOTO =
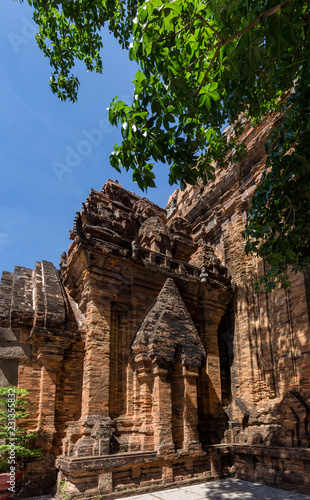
(191, 94)
(222, 42)
(291, 208)
(174, 33)
(197, 59)
(208, 70)
(258, 20)
(198, 16)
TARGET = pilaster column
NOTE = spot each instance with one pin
(191, 438)
(95, 423)
(134, 441)
(49, 358)
(96, 374)
(146, 381)
(155, 245)
(162, 410)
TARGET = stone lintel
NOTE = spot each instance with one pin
(49, 358)
(215, 299)
(161, 369)
(71, 464)
(143, 369)
(272, 451)
(9, 334)
(50, 345)
(14, 350)
(284, 452)
(77, 465)
(190, 371)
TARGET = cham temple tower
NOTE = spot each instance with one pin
(149, 359)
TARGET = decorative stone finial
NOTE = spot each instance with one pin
(77, 225)
(203, 275)
(171, 209)
(63, 261)
(135, 249)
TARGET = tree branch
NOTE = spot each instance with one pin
(208, 70)
(183, 97)
(174, 33)
(258, 20)
(198, 16)
(222, 42)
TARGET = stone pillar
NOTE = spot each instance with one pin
(134, 441)
(155, 245)
(105, 483)
(96, 374)
(162, 410)
(129, 383)
(95, 423)
(191, 438)
(146, 382)
(49, 358)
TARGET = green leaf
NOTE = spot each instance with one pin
(196, 75)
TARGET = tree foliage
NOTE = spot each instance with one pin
(202, 64)
(16, 443)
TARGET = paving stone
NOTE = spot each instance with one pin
(147, 496)
(178, 494)
(40, 497)
(226, 489)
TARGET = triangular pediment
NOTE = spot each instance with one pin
(167, 325)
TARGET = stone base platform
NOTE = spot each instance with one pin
(281, 467)
(123, 474)
(112, 476)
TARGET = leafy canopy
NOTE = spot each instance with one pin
(203, 63)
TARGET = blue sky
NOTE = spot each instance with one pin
(48, 164)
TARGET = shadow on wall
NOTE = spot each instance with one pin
(225, 335)
(288, 425)
(212, 426)
(292, 417)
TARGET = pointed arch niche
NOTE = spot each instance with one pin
(166, 355)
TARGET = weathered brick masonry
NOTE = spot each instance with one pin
(149, 359)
